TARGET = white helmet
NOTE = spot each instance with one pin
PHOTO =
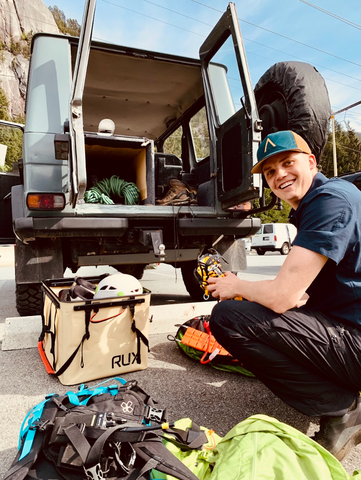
(118, 285)
(106, 127)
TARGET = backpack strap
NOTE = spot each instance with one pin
(192, 438)
(152, 448)
(139, 334)
(72, 356)
(32, 440)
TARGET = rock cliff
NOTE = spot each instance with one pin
(19, 20)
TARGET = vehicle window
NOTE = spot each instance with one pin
(11, 142)
(173, 144)
(226, 81)
(268, 229)
(200, 134)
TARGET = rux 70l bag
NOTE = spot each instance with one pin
(86, 340)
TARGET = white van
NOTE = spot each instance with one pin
(274, 237)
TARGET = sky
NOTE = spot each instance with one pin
(324, 33)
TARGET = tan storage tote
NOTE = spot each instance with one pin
(92, 339)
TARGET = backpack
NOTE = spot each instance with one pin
(104, 432)
(194, 338)
(261, 447)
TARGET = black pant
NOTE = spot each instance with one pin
(310, 361)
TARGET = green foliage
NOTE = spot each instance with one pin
(22, 47)
(15, 47)
(4, 104)
(200, 133)
(68, 26)
(199, 128)
(348, 151)
(11, 137)
(173, 144)
(274, 215)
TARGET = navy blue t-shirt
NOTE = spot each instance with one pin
(328, 221)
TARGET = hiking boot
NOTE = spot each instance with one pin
(178, 194)
(340, 434)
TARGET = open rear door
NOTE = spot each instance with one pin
(78, 161)
(234, 124)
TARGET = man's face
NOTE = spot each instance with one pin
(289, 175)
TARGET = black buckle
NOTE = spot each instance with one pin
(40, 425)
(154, 414)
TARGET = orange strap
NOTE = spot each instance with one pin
(48, 367)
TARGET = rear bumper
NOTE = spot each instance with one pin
(29, 228)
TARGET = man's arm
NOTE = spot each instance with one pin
(297, 273)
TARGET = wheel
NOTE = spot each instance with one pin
(285, 249)
(293, 96)
(29, 299)
(134, 270)
(191, 283)
(260, 251)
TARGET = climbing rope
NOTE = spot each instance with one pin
(113, 190)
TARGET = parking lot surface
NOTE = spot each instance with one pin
(212, 398)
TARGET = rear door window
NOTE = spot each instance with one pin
(268, 229)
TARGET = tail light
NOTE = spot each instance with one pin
(275, 238)
(45, 201)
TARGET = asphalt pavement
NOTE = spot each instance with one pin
(212, 398)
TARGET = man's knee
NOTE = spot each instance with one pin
(219, 314)
(227, 315)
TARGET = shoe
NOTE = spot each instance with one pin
(340, 434)
(178, 194)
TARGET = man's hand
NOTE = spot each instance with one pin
(225, 287)
(287, 290)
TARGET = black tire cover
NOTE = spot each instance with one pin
(293, 96)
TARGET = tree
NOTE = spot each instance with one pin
(348, 151)
(275, 215)
(68, 26)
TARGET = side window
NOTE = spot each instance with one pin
(173, 144)
(199, 128)
(11, 143)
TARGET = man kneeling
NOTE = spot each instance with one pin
(300, 333)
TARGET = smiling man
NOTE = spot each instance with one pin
(300, 333)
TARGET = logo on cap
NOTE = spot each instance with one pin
(267, 142)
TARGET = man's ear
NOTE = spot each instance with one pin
(312, 161)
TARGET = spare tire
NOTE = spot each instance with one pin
(293, 96)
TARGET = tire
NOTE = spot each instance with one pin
(293, 96)
(29, 299)
(191, 283)
(260, 251)
(285, 249)
(136, 271)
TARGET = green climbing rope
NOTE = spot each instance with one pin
(113, 190)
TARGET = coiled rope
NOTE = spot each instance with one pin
(113, 190)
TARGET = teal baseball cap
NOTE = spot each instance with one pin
(283, 141)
